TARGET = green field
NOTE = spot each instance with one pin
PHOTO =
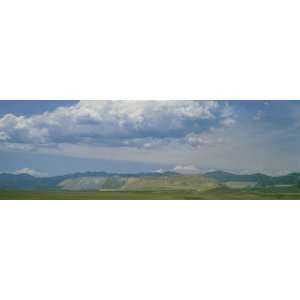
(219, 193)
(240, 184)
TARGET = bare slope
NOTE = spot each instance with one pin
(178, 182)
(82, 183)
(142, 183)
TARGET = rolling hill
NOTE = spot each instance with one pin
(140, 183)
(96, 181)
(105, 181)
(259, 179)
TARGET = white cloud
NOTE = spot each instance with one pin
(166, 133)
(117, 123)
(228, 122)
(195, 140)
(30, 171)
(186, 169)
(228, 116)
(21, 129)
(227, 111)
(146, 143)
(181, 169)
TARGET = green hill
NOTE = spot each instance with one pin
(259, 179)
(145, 181)
(178, 182)
(141, 183)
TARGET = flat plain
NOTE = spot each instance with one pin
(219, 193)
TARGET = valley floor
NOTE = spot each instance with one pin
(238, 194)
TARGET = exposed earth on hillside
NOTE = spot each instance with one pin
(169, 185)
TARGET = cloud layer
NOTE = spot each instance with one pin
(243, 136)
(144, 124)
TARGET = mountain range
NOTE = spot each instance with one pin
(143, 181)
(260, 179)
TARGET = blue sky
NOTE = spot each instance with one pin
(59, 137)
(30, 107)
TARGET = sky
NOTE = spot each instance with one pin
(47, 138)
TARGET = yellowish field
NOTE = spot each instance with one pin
(163, 183)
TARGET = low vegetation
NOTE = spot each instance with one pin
(216, 185)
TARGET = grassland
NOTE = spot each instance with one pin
(170, 183)
(240, 184)
(218, 193)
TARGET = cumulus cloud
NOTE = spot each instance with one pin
(21, 129)
(227, 116)
(30, 171)
(195, 140)
(144, 124)
(181, 169)
(186, 169)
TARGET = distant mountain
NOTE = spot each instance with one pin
(142, 181)
(28, 182)
(226, 176)
(260, 179)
